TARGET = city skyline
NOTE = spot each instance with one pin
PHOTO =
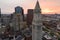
(47, 6)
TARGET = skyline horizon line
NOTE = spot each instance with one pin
(27, 10)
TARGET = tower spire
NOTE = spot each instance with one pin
(37, 5)
(37, 8)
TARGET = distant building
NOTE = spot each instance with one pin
(0, 16)
(5, 19)
(0, 13)
(29, 17)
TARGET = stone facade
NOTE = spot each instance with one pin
(37, 23)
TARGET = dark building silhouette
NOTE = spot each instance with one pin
(29, 17)
(0, 12)
(19, 10)
(0, 15)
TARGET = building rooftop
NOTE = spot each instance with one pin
(47, 37)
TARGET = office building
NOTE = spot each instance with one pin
(29, 17)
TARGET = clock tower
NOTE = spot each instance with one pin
(37, 23)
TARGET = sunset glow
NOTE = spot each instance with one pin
(47, 6)
(47, 10)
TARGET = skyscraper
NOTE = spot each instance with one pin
(37, 23)
(29, 17)
(19, 10)
(18, 18)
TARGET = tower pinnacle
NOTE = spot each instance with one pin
(37, 8)
(37, 5)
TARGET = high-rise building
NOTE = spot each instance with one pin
(19, 10)
(29, 17)
(37, 23)
(18, 18)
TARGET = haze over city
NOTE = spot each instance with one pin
(47, 6)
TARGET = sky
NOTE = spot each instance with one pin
(47, 6)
